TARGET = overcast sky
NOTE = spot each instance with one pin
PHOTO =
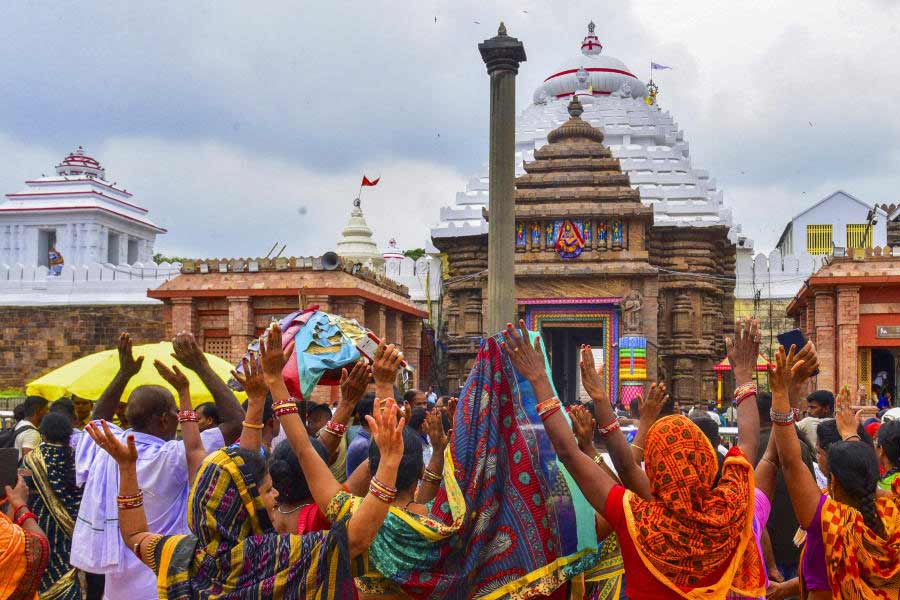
(228, 119)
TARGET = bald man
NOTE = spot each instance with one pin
(152, 415)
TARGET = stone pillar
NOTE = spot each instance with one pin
(349, 307)
(375, 318)
(825, 340)
(502, 55)
(847, 337)
(324, 302)
(241, 328)
(184, 316)
(810, 331)
(412, 345)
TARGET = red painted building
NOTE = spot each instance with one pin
(850, 308)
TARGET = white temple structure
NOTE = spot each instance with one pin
(79, 213)
(77, 238)
(356, 243)
(646, 140)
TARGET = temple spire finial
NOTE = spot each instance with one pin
(575, 108)
(502, 29)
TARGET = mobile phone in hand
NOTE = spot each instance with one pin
(9, 472)
(795, 338)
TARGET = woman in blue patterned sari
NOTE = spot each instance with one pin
(55, 500)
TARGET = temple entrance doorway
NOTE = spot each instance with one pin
(562, 342)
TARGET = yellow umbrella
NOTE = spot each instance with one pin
(87, 377)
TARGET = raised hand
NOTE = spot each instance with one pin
(583, 424)
(451, 407)
(128, 365)
(271, 355)
(17, 496)
(527, 358)
(387, 431)
(354, 383)
(591, 377)
(845, 418)
(252, 379)
(434, 423)
(652, 405)
(386, 363)
(173, 377)
(104, 437)
(743, 349)
(786, 369)
(188, 353)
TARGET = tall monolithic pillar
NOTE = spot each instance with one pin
(502, 55)
(825, 342)
(847, 338)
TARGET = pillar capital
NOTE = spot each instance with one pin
(183, 301)
(502, 52)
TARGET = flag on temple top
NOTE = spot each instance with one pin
(370, 182)
(658, 67)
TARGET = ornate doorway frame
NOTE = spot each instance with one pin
(581, 312)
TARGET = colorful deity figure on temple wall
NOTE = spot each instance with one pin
(617, 233)
(520, 235)
(535, 235)
(587, 233)
(569, 242)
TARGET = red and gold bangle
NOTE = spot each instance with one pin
(742, 392)
(284, 404)
(187, 416)
(383, 492)
(132, 501)
(19, 509)
(548, 404)
(430, 476)
(286, 408)
(24, 517)
(336, 429)
(609, 427)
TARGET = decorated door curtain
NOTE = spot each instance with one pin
(569, 237)
(632, 367)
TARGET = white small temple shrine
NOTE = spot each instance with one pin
(356, 243)
(80, 214)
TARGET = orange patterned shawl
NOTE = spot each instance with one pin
(861, 564)
(23, 558)
(694, 530)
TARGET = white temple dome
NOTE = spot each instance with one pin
(356, 241)
(645, 139)
(606, 75)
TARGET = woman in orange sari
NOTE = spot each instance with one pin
(682, 533)
(24, 550)
(852, 547)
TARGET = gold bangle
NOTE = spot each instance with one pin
(638, 447)
(258, 426)
(598, 458)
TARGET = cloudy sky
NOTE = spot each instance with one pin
(228, 119)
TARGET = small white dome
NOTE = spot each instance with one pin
(606, 74)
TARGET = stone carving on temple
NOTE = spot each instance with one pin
(631, 312)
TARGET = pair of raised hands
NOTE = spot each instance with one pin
(186, 351)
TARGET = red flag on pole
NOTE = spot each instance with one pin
(366, 182)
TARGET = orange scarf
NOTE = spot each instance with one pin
(23, 558)
(861, 564)
(692, 529)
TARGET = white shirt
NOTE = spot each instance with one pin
(162, 475)
(29, 439)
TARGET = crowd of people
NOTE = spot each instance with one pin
(503, 493)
